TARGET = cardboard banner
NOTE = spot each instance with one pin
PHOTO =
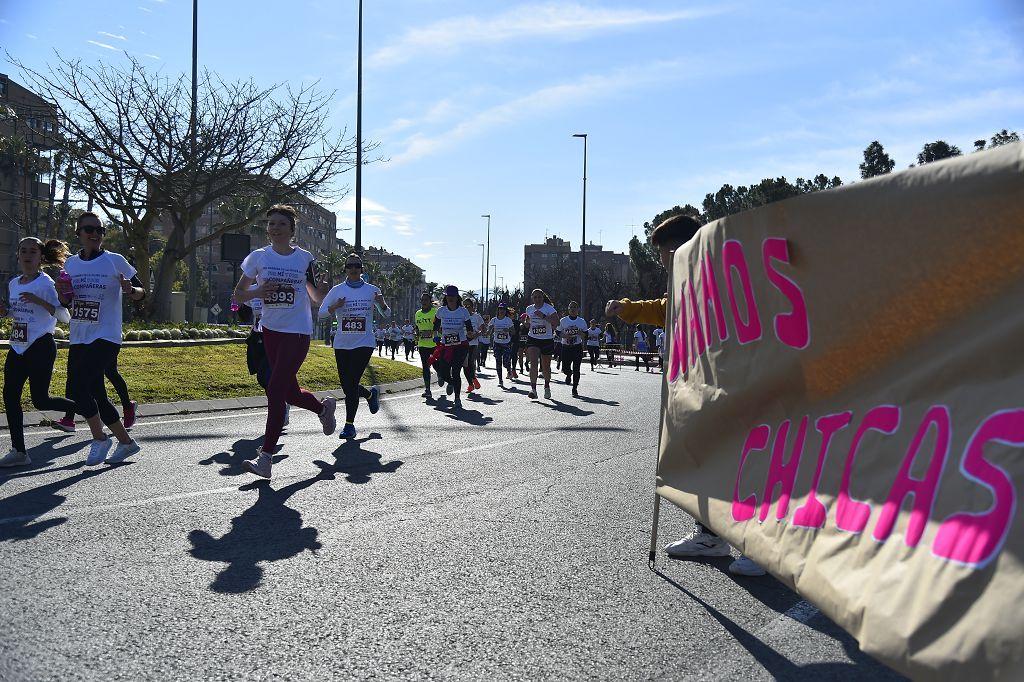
(845, 404)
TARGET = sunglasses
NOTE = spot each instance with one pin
(353, 265)
(89, 229)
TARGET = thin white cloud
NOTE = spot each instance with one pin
(152, 56)
(33, 37)
(103, 45)
(993, 101)
(423, 256)
(111, 35)
(375, 216)
(561, 20)
(429, 244)
(551, 98)
(146, 9)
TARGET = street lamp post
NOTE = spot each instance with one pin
(491, 294)
(481, 245)
(487, 283)
(359, 133)
(583, 239)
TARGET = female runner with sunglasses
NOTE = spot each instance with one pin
(98, 281)
(286, 284)
(453, 328)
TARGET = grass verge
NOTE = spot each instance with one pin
(164, 375)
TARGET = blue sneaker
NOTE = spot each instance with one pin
(348, 432)
(98, 451)
(374, 400)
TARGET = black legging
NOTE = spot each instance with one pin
(425, 354)
(572, 358)
(115, 379)
(351, 365)
(87, 363)
(593, 351)
(455, 369)
(36, 366)
(469, 366)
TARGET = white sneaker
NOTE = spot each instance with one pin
(745, 566)
(327, 416)
(15, 459)
(698, 543)
(123, 451)
(98, 451)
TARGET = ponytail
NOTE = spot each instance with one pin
(55, 252)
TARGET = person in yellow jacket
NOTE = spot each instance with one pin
(425, 337)
(668, 236)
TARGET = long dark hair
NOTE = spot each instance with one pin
(52, 252)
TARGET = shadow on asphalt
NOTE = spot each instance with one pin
(270, 530)
(776, 596)
(231, 461)
(461, 414)
(18, 513)
(43, 455)
(559, 406)
(597, 401)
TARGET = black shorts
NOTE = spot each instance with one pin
(547, 346)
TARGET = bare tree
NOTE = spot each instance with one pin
(128, 131)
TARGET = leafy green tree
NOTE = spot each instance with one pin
(1004, 136)
(876, 161)
(940, 149)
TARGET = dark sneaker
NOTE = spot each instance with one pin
(65, 424)
(327, 419)
(374, 400)
(451, 389)
(129, 414)
(348, 432)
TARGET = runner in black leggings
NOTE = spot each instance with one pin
(35, 310)
(98, 281)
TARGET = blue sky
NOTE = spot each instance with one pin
(474, 103)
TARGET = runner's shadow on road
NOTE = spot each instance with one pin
(356, 464)
(19, 512)
(483, 400)
(598, 401)
(267, 531)
(231, 461)
(567, 408)
(471, 417)
(43, 455)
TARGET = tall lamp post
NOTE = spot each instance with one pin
(481, 245)
(487, 284)
(583, 239)
(492, 294)
(359, 133)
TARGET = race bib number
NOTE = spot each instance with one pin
(426, 333)
(85, 312)
(450, 339)
(19, 332)
(353, 325)
(501, 337)
(538, 330)
(569, 336)
(284, 297)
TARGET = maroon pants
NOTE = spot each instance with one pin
(285, 353)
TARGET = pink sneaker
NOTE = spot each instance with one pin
(129, 414)
(66, 424)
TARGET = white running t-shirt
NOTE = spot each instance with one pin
(477, 321)
(355, 317)
(502, 327)
(594, 336)
(287, 309)
(572, 330)
(453, 324)
(96, 307)
(539, 327)
(29, 321)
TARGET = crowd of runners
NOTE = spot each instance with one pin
(277, 291)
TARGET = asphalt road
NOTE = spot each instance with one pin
(505, 541)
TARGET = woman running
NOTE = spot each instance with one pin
(453, 329)
(640, 346)
(609, 341)
(512, 360)
(542, 318)
(34, 309)
(286, 284)
(485, 340)
(500, 329)
(469, 366)
(351, 303)
(378, 335)
(408, 339)
(593, 344)
(524, 333)
(425, 338)
(573, 330)
(97, 280)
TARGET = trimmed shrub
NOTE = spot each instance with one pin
(133, 335)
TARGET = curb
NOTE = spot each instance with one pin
(203, 406)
